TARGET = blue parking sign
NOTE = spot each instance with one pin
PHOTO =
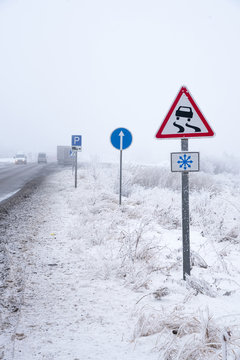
(76, 142)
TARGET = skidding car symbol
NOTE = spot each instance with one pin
(184, 111)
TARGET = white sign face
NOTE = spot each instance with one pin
(184, 119)
(184, 161)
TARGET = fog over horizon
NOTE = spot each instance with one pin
(88, 67)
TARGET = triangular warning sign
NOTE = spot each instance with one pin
(184, 119)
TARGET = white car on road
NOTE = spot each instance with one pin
(20, 159)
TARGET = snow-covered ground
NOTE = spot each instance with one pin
(6, 161)
(86, 279)
(2, 198)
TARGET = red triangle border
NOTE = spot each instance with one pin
(185, 91)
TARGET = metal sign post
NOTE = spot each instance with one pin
(120, 183)
(185, 216)
(184, 120)
(73, 160)
(121, 139)
(185, 162)
(76, 168)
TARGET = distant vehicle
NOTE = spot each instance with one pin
(42, 158)
(64, 155)
(184, 111)
(20, 159)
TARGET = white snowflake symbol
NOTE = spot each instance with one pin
(185, 161)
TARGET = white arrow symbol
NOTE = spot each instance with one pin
(121, 134)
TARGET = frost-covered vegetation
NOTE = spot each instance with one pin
(129, 258)
(141, 244)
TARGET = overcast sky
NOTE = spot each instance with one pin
(87, 67)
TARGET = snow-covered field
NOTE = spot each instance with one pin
(82, 278)
(6, 161)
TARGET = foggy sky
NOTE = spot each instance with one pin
(88, 67)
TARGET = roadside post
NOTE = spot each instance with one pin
(121, 139)
(184, 120)
(76, 146)
(72, 155)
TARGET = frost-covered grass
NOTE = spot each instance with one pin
(140, 243)
(149, 256)
(137, 247)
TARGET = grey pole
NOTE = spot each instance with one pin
(76, 168)
(73, 162)
(120, 185)
(185, 216)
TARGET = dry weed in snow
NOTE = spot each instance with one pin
(185, 336)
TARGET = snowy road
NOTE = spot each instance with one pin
(14, 177)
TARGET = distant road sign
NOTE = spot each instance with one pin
(72, 153)
(121, 138)
(184, 119)
(184, 161)
(77, 142)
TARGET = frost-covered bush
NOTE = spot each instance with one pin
(155, 176)
(184, 335)
(217, 165)
(138, 255)
(126, 183)
(139, 245)
(168, 215)
(216, 214)
(202, 181)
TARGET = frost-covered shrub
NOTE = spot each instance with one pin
(227, 164)
(168, 216)
(207, 166)
(224, 164)
(140, 244)
(135, 252)
(126, 184)
(232, 234)
(183, 335)
(202, 181)
(155, 176)
(147, 177)
(216, 214)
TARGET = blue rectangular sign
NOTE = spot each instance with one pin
(76, 142)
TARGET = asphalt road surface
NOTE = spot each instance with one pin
(14, 177)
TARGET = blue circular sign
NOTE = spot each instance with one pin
(121, 138)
